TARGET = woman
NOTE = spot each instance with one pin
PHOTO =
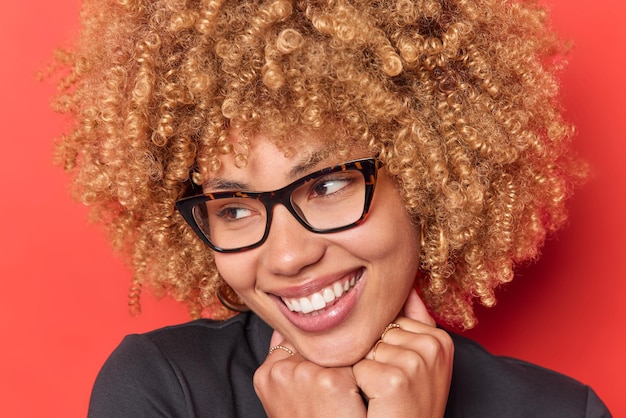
(341, 172)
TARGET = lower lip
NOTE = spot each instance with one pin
(328, 318)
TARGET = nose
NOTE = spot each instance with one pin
(289, 247)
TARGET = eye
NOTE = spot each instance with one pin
(328, 186)
(233, 213)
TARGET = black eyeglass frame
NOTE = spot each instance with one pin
(367, 166)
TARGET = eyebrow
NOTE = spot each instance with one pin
(305, 165)
(223, 184)
(308, 163)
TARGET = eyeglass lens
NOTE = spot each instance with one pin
(326, 202)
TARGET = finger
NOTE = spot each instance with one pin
(369, 375)
(279, 348)
(406, 358)
(415, 336)
(429, 347)
(276, 339)
(413, 388)
(414, 308)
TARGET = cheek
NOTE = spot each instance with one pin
(388, 241)
(389, 231)
(236, 270)
(399, 247)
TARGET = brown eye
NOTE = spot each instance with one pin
(233, 213)
(328, 186)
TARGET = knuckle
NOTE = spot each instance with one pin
(275, 374)
(446, 343)
(327, 381)
(397, 381)
(260, 379)
(437, 344)
(432, 346)
(413, 361)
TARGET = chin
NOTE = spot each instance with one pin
(327, 358)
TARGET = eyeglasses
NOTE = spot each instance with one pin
(329, 200)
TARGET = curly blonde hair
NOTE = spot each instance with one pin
(458, 98)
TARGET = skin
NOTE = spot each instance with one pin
(406, 375)
(335, 360)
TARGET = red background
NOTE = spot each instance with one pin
(63, 292)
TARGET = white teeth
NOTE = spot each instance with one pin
(295, 305)
(338, 289)
(306, 305)
(318, 301)
(288, 303)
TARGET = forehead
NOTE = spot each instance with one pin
(263, 162)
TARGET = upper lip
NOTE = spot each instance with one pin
(313, 286)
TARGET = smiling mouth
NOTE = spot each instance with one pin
(329, 295)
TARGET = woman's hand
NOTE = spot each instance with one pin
(408, 373)
(291, 386)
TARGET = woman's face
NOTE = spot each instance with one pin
(376, 260)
